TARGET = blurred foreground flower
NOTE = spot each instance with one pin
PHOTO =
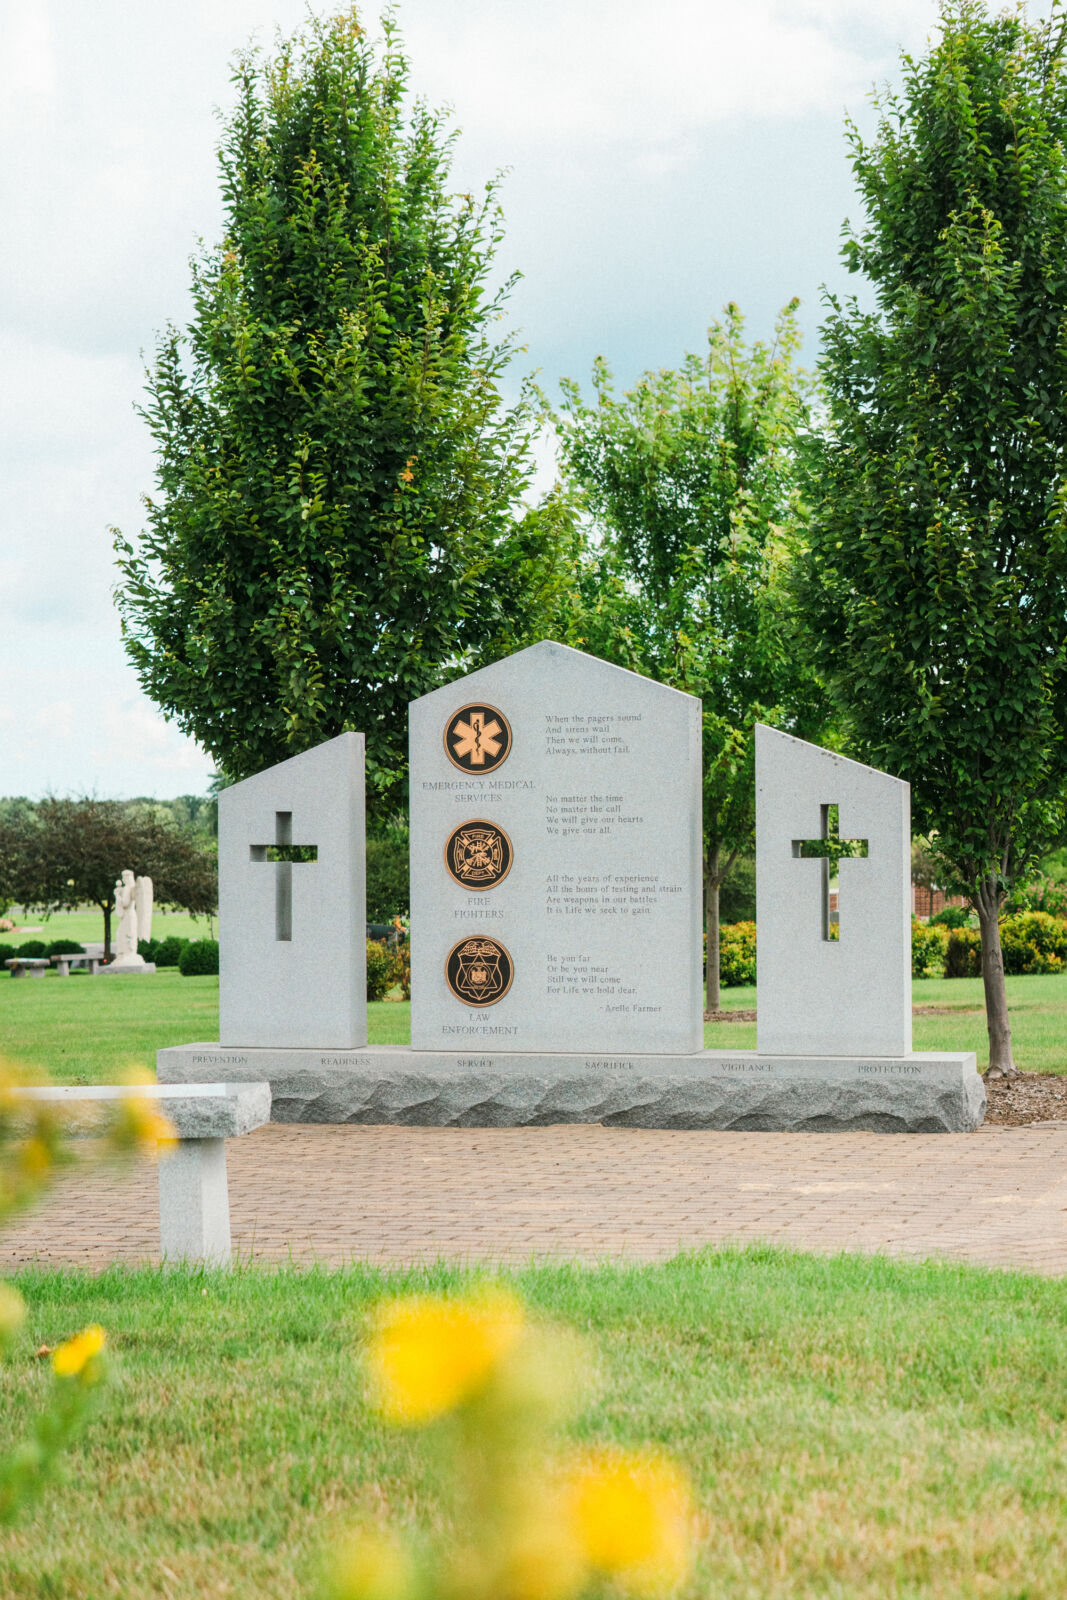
(632, 1515)
(428, 1354)
(33, 1146)
(372, 1566)
(527, 1526)
(12, 1314)
(139, 1124)
(77, 1357)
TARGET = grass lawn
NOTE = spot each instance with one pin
(87, 926)
(855, 1428)
(84, 1030)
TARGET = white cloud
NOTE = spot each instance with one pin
(604, 73)
(135, 729)
(55, 720)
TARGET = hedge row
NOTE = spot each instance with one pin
(1031, 942)
(37, 947)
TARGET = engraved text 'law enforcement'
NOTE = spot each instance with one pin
(478, 854)
(478, 738)
(479, 971)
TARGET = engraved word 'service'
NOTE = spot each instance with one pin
(479, 971)
(478, 854)
(478, 738)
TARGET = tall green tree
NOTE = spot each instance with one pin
(334, 525)
(936, 591)
(691, 481)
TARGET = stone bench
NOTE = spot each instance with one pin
(28, 966)
(194, 1202)
(63, 964)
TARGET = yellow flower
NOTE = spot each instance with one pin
(428, 1354)
(631, 1513)
(35, 1158)
(370, 1566)
(12, 1313)
(140, 1124)
(543, 1562)
(76, 1357)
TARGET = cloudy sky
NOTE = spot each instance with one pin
(661, 162)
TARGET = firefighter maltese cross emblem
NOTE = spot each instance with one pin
(478, 855)
(479, 971)
(478, 738)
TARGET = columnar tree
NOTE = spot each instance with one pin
(936, 591)
(333, 528)
(691, 482)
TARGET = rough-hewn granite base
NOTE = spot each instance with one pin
(922, 1093)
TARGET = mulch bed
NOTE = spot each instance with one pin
(1032, 1097)
(729, 1016)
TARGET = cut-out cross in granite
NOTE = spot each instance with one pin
(283, 852)
(828, 851)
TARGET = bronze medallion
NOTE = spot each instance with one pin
(478, 738)
(478, 854)
(479, 971)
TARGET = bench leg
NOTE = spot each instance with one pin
(194, 1203)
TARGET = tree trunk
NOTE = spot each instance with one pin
(987, 904)
(107, 930)
(712, 882)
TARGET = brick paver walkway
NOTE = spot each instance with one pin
(334, 1194)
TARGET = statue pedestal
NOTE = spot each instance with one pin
(129, 964)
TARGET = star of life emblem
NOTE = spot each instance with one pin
(477, 738)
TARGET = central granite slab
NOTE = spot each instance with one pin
(929, 1092)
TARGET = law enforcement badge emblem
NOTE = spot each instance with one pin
(479, 971)
(478, 739)
(478, 855)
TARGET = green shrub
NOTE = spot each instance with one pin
(1033, 941)
(32, 947)
(1040, 894)
(148, 948)
(7, 953)
(65, 947)
(963, 953)
(169, 951)
(952, 917)
(928, 944)
(401, 969)
(379, 969)
(737, 954)
(737, 897)
(388, 892)
(199, 959)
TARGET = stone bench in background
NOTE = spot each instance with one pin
(63, 964)
(27, 966)
(194, 1202)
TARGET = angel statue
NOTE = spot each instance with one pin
(133, 912)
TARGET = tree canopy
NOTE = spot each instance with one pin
(335, 526)
(936, 588)
(691, 481)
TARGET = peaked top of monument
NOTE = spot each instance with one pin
(331, 755)
(768, 736)
(545, 657)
